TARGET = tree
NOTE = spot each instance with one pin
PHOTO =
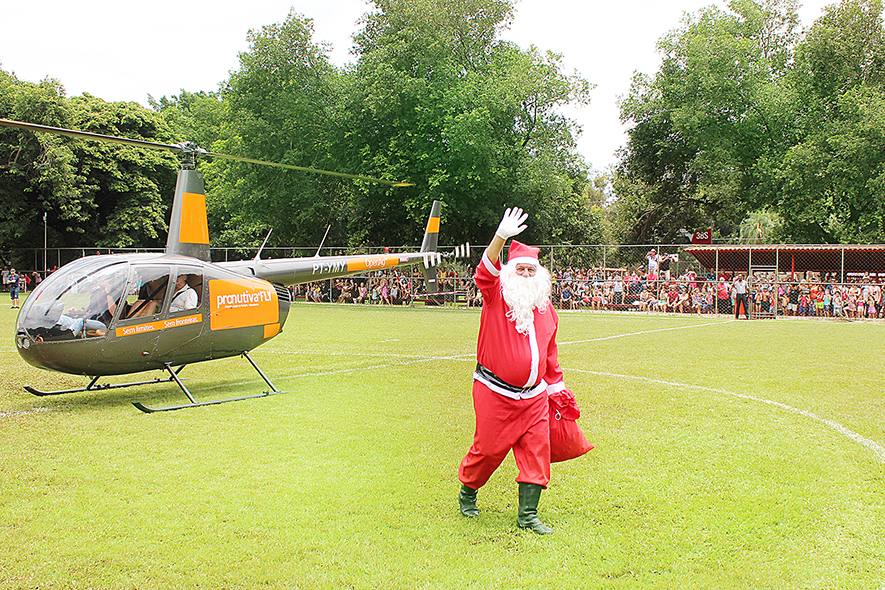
(437, 99)
(703, 124)
(37, 171)
(744, 117)
(93, 194)
(760, 227)
(129, 189)
(199, 117)
(833, 177)
(280, 108)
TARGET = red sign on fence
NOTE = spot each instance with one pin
(702, 236)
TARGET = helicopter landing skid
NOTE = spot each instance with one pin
(194, 403)
(101, 387)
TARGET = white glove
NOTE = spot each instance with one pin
(512, 223)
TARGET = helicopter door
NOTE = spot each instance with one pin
(147, 290)
(182, 319)
(187, 294)
(138, 322)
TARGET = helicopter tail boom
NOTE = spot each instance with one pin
(296, 271)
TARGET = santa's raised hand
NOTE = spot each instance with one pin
(512, 224)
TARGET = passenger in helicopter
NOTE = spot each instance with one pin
(102, 304)
(60, 324)
(185, 297)
(82, 327)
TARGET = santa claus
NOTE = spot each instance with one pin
(516, 368)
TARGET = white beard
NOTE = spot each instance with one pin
(523, 294)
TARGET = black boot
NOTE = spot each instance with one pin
(467, 501)
(527, 518)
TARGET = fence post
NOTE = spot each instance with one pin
(716, 282)
(777, 279)
(842, 273)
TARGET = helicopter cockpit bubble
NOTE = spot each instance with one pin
(78, 301)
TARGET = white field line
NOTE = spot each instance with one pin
(345, 353)
(876, 448)
(413, 359)
(625, 335)
(18, 413)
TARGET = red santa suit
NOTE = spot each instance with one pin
(515, 372)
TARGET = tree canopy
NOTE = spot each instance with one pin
(434, 97)
(746, 117)
(92, 194)
(749, 126)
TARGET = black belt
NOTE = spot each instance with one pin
(498, 382)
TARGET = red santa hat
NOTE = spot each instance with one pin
(522, 254)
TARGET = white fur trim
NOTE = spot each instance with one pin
(490, 266)
(556, 387)
(536, 358)
(523, 260)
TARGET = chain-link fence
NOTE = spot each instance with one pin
(782, 280)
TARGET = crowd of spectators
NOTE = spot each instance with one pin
(385, 287)
(860, 298)
(24, 281)
(651, 288)
(623, 290)
(817, 296)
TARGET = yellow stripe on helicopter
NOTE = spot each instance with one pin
(432, 225)
(194, 229)
(161, 325)
(373, 262)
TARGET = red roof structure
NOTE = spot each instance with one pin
(844, 260)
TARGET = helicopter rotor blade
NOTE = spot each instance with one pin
(187, 148)
(93, 136)
(306, 169)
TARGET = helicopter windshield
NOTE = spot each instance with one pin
(77, 302)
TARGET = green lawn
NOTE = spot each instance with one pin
(729, 455)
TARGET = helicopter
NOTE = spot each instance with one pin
(118, 314)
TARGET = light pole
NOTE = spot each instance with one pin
(45, 262)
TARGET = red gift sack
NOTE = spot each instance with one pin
(566, 439)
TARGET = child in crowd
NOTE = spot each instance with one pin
(837, 304)
(803, 305)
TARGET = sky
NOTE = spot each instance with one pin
(122, 51)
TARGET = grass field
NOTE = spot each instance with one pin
(729, 455)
